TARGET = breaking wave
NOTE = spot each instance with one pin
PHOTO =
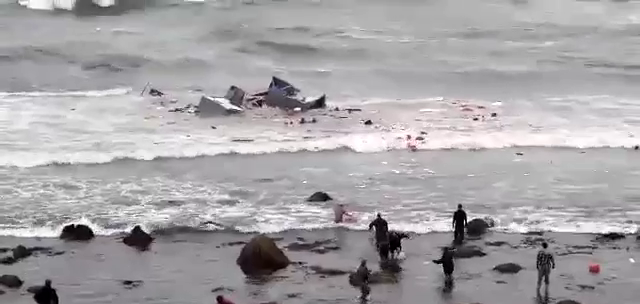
(93, 93)
(356, 143)
(92, 7)
(167, 229)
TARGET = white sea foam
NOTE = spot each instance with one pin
(113, 124)
(266, 223)
(94, 93)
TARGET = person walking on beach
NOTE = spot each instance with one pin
(544, 263)
(447, 263)
(46, 294)
(459, 223)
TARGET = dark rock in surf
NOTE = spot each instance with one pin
(10, 281)
(138, 238)
(497, 243)
(613, 236)
(477, 227)
(235, 243)
(34, 289)
(509, 268)
(77, 233)
(567, 302)
(368, 122)
(221, 289)
(2, 292)
(376, 277)
(319, 197)
(130, 284)
(538, 233)
(9, 260)
(155, 93)
(328, 271)
(466, 252)
(261, 256)
(20, 252)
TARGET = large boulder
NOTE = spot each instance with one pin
(10, 281)
(510, 268)
(376, 277)
(77, 233)
(465, 252)
(319, 197)
(261, 256)
(138, 238)
(477, 227)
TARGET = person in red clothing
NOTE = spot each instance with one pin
(221, 300)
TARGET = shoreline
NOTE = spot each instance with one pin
(186, 268)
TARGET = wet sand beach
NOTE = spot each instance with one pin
(186, 267)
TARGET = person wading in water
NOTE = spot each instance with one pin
(459, 222)
(382, 236)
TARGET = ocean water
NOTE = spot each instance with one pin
(79, 143)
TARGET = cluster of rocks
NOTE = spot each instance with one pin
(21, 252)
(136, 238)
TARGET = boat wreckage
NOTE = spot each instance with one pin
(280, 94)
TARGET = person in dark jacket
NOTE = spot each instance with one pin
(447, 263)
(459, 223)
(46, 294)
(382, 236)
(382, 229)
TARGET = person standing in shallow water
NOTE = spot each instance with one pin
(362, 275)
(46, 294)
(459, 223)
(382, 236)
(382, 229)
(544, 263)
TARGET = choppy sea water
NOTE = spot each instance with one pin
(77, 142)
